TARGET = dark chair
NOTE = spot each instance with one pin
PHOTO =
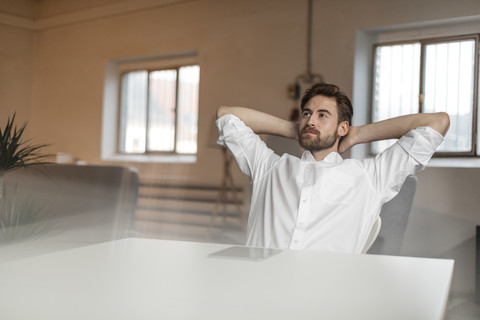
(394, 217)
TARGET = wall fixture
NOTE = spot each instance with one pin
(306, 80)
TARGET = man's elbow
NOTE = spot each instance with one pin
(442, 122)
(221, 111)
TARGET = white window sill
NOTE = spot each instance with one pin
(455, 162)
(152, 158)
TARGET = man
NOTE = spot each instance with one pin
(321, 201)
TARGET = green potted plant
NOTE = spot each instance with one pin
(15, 152)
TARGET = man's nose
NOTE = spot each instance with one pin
(310, 122)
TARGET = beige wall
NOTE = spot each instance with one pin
(249, 51)
(16, 73)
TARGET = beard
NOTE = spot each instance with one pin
(314, 143)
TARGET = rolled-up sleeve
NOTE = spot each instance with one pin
(409, 155)
(251, 154)
(228, 126)
(421, 143)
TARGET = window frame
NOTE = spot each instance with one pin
(119, 134)
(475, 147)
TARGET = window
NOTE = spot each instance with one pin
(159, 111)
(429, 75)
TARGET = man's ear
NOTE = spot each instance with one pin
(343, 128)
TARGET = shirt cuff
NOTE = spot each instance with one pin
(421, 143)
(229, 125)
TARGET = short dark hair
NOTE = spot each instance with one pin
(344, 105)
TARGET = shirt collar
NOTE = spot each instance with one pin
(331, 158)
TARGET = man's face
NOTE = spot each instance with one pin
(318, 124)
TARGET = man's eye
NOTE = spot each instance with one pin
(306, 114)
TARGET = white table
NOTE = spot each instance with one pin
(156, 279)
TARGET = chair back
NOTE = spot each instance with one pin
(394, 216)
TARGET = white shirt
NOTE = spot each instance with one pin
(328, 205)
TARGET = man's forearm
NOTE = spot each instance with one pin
(397, 127)
(261, 122)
